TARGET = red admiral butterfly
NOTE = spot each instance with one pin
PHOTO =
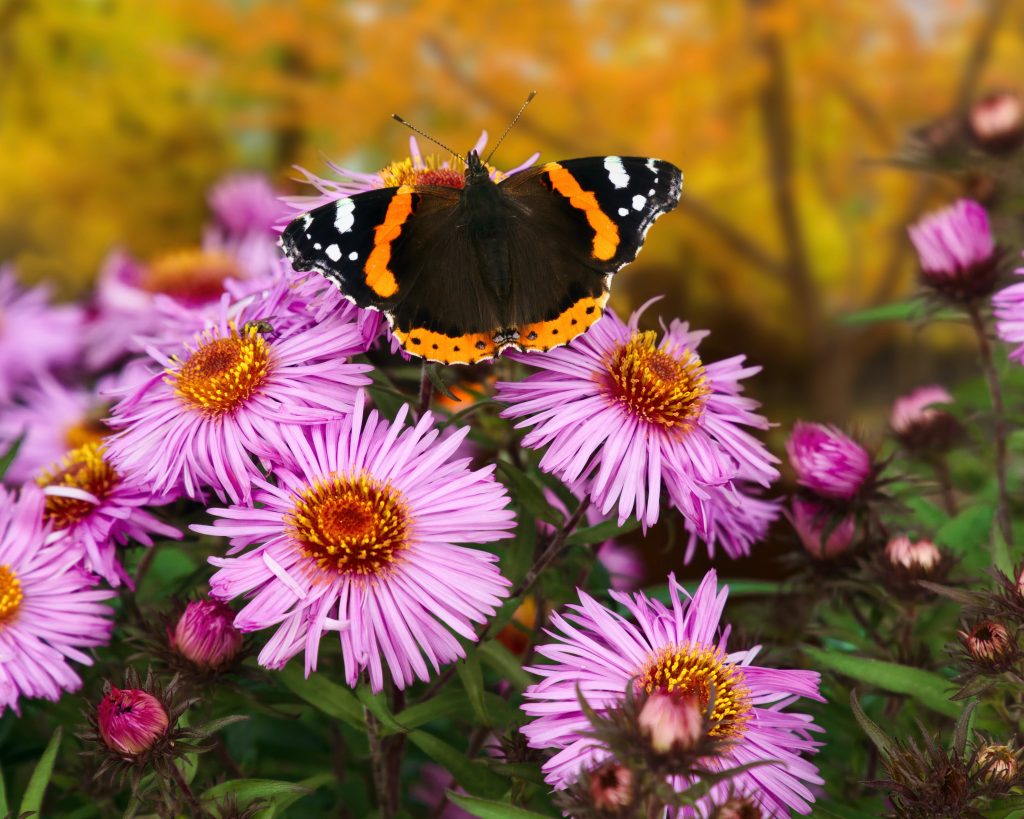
(463, 274)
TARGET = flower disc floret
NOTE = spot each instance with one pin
(11, 594)
(221, 374)
(351, 526)
(85, 469)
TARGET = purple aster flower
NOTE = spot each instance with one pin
(597, 654)
(622, 415)
(198, 422)
(94, 508)
(49, 611)
(821, 534)
(737, 517)
(826, 461)
(246, 203)
(358, 538)
(430, 790)
(35, 336)
(956, 250)
(1008, 308)
(53, 418)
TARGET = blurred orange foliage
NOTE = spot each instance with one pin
(117, 115)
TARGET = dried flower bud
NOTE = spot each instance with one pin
(922, 555)
(611, 786)
(737, 809)
(988, 642)
(957, 250)
(820, 533)
(999, 761)
(826, 461)
(996, 121)
(671, 722)
(205, 634)
(131, 720)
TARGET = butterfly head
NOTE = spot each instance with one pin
(476, 170)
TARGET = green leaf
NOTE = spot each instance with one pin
(4, 810)
(249, 790)
(880, 739)
(377, 705)
(529, 495)
(518, 556)
(472, 678)
(448, 703)
(32, 801)
(895, 311)
(931, 690)
(474, 776)
(1001, 558)
(505, 663)
(489, 809)
(605, 530)
(8, 457)
(331, 698)
(927, 513)
(968, 530)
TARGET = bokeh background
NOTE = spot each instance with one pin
(792, 121)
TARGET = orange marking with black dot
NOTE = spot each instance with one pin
(541, 336)
(606, 232)
(466, 349)
(379, 277)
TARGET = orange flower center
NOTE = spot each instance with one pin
(704, 673)
(432, 171)
(10, 594)
(350, 526)
(83, 468)
(86, 431)
(666, 387)
(195, 275)
(223, 373)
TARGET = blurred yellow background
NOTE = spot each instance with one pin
(115, 117)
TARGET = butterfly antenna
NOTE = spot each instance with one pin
(515, 119)
(412, 127)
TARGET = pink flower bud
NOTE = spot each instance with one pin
(997, 121)
(826, 461)
(922, 555)
(988, 642)
(611, 786)
(957, 250)
(671, 722)
(819, 532)
(205, 634)
(1000, 761)
(131, 721)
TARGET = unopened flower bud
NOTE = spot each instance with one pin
(922, 427)
(996, 121)
(131, 720)
(205, 634)
(988, 642)
(1000, 762)
(826, 461)
(611, 786)
(921, 556)
(737, 809)
(957, 250)
(820, 533)
(671, 722)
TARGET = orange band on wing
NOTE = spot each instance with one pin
(379, 277)
(606, 233)
(543, 335)
(467, 349)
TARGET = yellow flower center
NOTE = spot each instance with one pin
(666, 387)
(354, 526)
(86, 431)
(704, 673)
(10, 594)
(83, 468)
(196, 275)
(431, 172)
(223, 373)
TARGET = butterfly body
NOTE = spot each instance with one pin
(463, 274)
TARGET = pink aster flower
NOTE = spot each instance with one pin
(199, 422)
(36, 336)
(917, 407)
(49, 611)
(996, 121)
(246, 203)
(623, 415)
(737, 517)
(95, 509)
(358, 538)
(957, 250)
(1008, 309)
(597, 653)
(205, 634)
(131, 720)
(826, 461)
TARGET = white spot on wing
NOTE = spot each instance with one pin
(333, 252)
(616, 171)
(353, 256)
(652, 164)
(344, 215)
(317, 246)
(639, 202)
(307, 220)
(623, 211)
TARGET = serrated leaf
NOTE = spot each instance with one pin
(600, 532)
(490, 809)
(472, 678)
(331, 698)
(474, 776)
(32, 801)
(505, 663)
(529, 495)
(877, 736)
(931, 690)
